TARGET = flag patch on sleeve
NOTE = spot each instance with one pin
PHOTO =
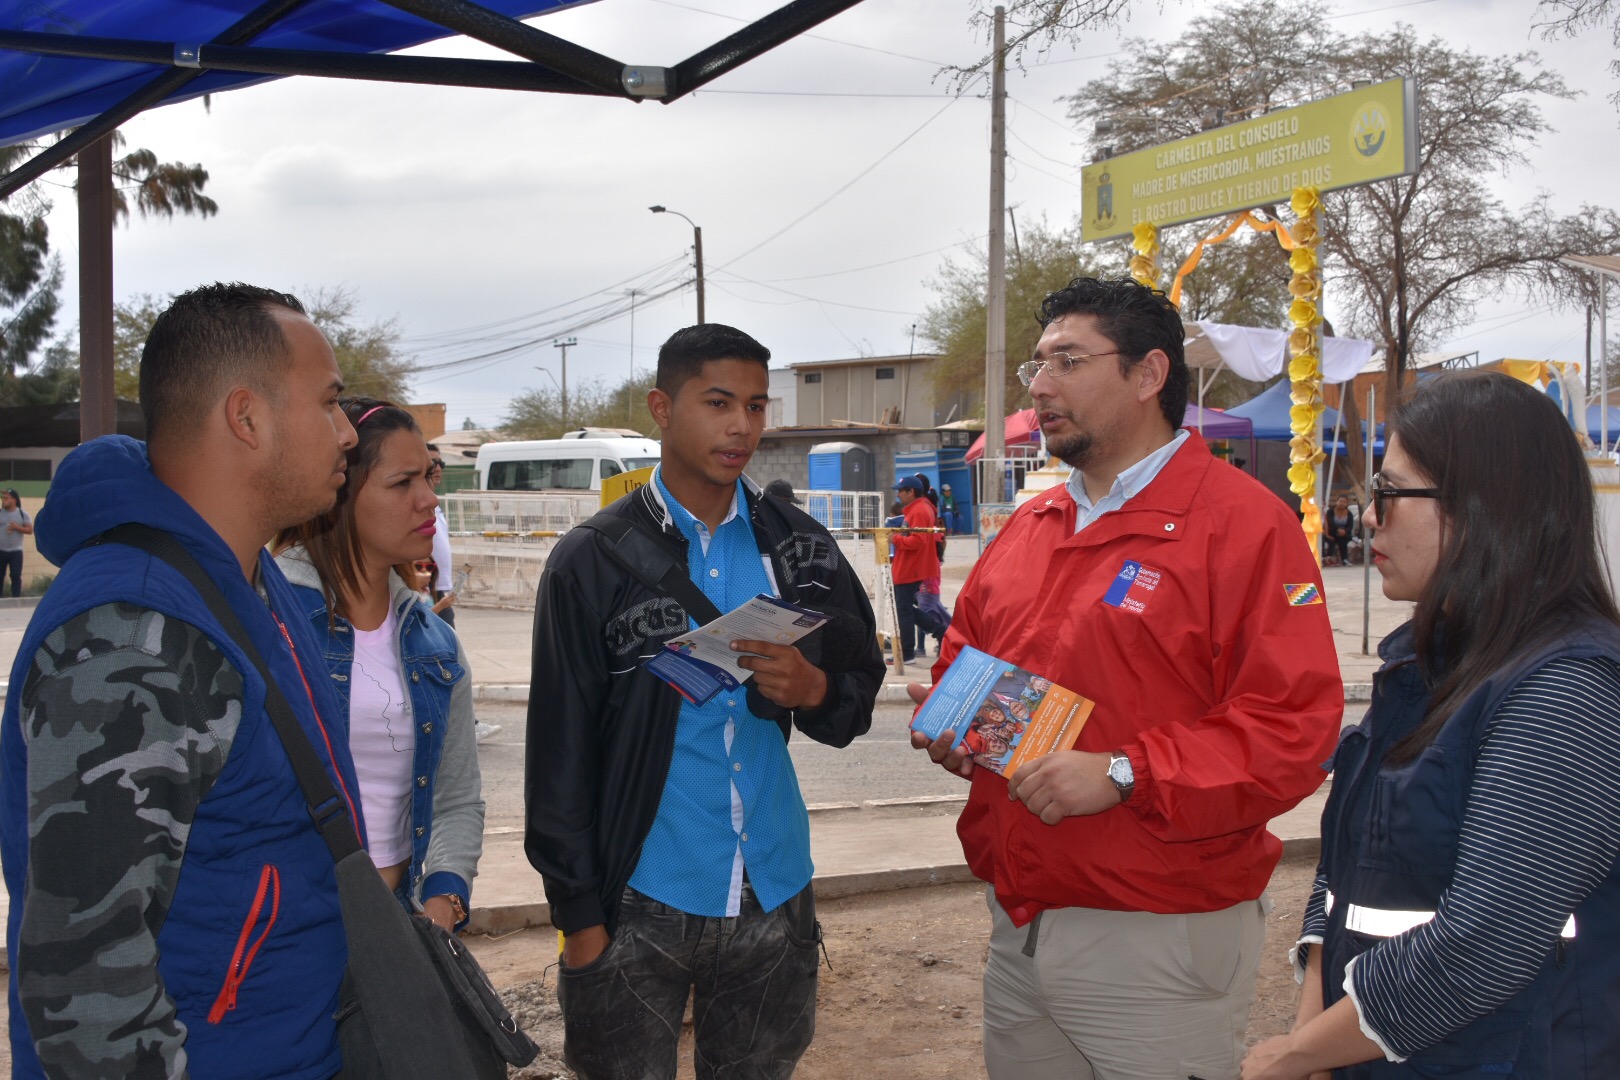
(1302, 595)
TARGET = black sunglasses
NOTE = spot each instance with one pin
(1382, 493)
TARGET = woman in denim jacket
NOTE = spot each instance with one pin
(396, 666)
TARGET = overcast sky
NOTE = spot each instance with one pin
(831, 177)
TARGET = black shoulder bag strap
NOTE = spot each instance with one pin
(633, 548)
(328, 809)
(395, 1018)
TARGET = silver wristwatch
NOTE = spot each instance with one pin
(1121, 773)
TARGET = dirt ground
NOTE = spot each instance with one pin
(902, 997)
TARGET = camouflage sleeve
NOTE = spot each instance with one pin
(129, 717)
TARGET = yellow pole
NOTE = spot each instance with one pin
(1145, 263)
(1305, 365)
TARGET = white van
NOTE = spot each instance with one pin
(578, 461)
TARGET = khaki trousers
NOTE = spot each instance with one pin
(1120, 995)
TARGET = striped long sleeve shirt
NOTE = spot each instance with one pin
(1533, 844)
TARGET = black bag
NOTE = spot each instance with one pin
(404, 1013)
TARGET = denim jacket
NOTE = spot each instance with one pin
(447, 806)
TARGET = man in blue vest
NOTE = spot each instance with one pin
(173, 910)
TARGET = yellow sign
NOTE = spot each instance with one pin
(1337, 142)
(619, 485)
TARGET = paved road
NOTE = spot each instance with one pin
(879, 765)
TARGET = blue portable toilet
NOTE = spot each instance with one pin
(839, 466)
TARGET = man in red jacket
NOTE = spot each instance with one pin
(916, 559)
(1127, 875)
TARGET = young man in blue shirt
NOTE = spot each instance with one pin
(671, 836)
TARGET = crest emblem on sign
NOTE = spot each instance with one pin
(1369, 129)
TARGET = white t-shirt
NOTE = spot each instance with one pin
(441, 552)
(382, 739)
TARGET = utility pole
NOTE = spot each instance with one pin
(697, 253)
(995, 345)
(565, 344)
(630, 387)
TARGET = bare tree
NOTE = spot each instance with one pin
(1567, 18)
(1410, 258)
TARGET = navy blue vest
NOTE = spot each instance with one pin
(1389, 843)
(255, 869)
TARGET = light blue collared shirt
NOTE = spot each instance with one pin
(731, 802)
(1127, 485)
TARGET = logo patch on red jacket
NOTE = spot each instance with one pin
(1302, 595)
(1134, 587)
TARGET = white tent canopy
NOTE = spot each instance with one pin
(1257, 354)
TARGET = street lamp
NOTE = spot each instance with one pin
(697, 250)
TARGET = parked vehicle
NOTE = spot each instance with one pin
(579, 461)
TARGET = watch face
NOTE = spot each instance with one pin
(1121, 773)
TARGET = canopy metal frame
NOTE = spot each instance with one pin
(546, 64)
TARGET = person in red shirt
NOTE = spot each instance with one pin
(916, 560)
(1127, 875)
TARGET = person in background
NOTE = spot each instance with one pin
(443, 584)
(947, 509)
(783, 490)
(398, 669)
(1338, 529)
(14, 525)
(151, 824)
(916, 561)
(1465, 920)
(1126, 875)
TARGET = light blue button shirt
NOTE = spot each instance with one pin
(1127, 485)
(731, 802)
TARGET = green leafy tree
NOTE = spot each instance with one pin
(954, 324)
(132, 323)
(1242, 281)
(368, 353)
(53, 381)
(537, 413)
(30, 280)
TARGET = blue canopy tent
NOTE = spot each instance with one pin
(1595, 426)
(91, 65)
(1268, 410)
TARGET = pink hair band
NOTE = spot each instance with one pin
(367, 413)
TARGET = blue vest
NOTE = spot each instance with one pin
(254, 866)
(432, 667)
(1389, 844)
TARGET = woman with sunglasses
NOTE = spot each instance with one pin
(396, 666)
(1465, 920)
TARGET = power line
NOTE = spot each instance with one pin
(875, 266)
(803, 298)
(851, 183)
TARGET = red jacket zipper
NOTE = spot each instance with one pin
(242, 958)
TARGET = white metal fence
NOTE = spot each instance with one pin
(499, 541)
(845, 509)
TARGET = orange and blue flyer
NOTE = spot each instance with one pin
(1004, 714)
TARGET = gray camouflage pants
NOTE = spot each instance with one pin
(753, 980)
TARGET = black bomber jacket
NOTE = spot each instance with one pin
(601, 731)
